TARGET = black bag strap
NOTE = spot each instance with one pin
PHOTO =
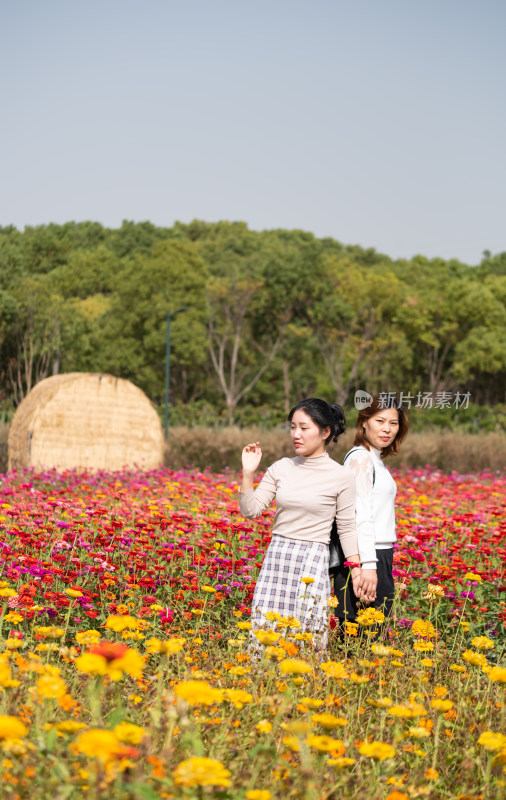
(353, 449)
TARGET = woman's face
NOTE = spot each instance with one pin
(381, 429)
(307, 437)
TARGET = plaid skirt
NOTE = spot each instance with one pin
(279, 587)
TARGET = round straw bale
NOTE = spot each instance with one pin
(85, 420)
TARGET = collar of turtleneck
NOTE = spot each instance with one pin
(312, 461)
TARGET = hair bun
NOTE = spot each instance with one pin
(340, 419)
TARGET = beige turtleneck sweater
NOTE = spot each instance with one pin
(310, 493)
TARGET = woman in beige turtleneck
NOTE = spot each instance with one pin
(311, 490)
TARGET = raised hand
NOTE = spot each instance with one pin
(251, 456)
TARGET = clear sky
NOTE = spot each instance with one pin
(378, 122)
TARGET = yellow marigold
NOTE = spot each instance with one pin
(198, 693)
(457, 668)
(441, 705)
(129, 661)
(497, 674)
(294, 666)
(311, 702)
(492, 741)
(407, 710)
(11, 727)
(129, 733)
(332, 601)
(70, 726)
(351, 629)
(287, 622)
(238, 697)
(297, 726)
(264, 726)
(258, 794)
(97, 743)
(292, 743)
(472, 576)
(244, 626)
(267, 637)
(307, 581)
(423, 628)
(431, 774)
(329, 721)
(73, 593)
(208, 589)
(380, 702)
(201, 772)
(433, 591)
(50, 687)
(7, 592)
(381, 650)
(418, 733)
(359, 679)
(120, 622)
(341, 762)
(423, 647)
(272, 615)
(88, 637)
(378, 750)
(476, 659)
(333, 669)
(167, 647)
(325, 744)
(304, 637)
(370, 616)
(275, 652)
(482, 643)
(50, 632)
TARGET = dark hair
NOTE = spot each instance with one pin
(379, 403)
(324, 415)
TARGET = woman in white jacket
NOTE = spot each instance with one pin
(381, 428)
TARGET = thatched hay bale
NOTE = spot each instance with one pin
(82, 420)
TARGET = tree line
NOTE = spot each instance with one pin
(273, 316)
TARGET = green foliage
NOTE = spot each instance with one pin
(273, 316)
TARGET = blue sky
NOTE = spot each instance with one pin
(378, 122)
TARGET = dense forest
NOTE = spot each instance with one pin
(272, 316)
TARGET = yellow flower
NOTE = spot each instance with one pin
(307, 581)
(472, 576)
(441, 705)
(329, 721)
(423, 628)
(258, 794)
(457, 668)
(8, 592)
(433, 591)
(50, 687)
(11, 727)
(50, 632)
(304, 637)
(201, 772)
(408, 710)
(427, 662)
(127, 660)
(418, 733)
(497, 674)
(440, 691)
(198, 693)
(272, 615)
(294, 666)
(267, 637)
(275, 652)
(73, 593)
(70, 726)
(378, 750)
(208, 589)
(287, 622)
(168, 646)
(341, 762)
(333, 669)
(471, 657)
(311, 703)
(88, 637)
(370, 616)
(423, 647)
(128, 733)
(238, 697)
(332, 601)
(431, 774)
(325, 744)
(244, 626)
(292, 743)
(380, 702)
(97, 743)
(297, 726)
(492, 741)
(482, 643)
(381, 650)
(264, 726)
(121, 622)
(351, 629)
(359, 679)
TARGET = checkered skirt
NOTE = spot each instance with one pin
(279, 587)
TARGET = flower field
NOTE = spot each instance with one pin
(126, 670)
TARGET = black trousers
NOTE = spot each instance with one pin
(348, 605)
